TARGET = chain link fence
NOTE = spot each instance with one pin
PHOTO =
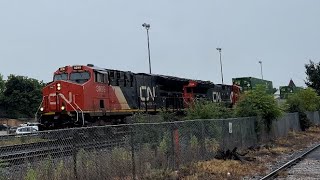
(314, 117)
(133, 151)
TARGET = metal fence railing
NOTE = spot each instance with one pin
(132, 151)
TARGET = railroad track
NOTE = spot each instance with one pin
(56, 152)
(289, 164)
(67, 146)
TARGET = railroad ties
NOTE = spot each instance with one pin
(305, 166)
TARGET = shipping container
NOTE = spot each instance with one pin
(249, 83)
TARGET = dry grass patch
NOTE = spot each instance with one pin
(21, 140)
(220, 169)
(280, 150)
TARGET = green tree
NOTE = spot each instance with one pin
(305, 100)
(2, 87)
(313, 76)
(22, 96)
(302, 101)
(258, 102)
(2, 84)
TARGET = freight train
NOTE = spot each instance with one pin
(85, 94)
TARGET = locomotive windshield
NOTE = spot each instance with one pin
(79, 77)
(63, 76)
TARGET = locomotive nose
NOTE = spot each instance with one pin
(54, 102)
(60, 96)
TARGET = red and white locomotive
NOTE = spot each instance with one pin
(81, 95)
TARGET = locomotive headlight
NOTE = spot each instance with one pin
(58, 86)
(63, 108)
(41, 109)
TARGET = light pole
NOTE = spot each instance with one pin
(260, 62)
(219, 49)
(147, 26)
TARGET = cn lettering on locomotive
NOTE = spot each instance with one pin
(53, 97)
(216, 96)
(146, 93)
(82, 95)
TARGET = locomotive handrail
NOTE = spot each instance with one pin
(70, 105)
(36, 114)
(81, 112)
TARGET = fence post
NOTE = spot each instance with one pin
(74, 154)
(202, 141)
(132, 152)
(224, 136)
(175, 148)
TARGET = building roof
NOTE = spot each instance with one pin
(291, 84)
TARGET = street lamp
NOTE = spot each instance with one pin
(260, 62)
(219, 49)
(147, 26)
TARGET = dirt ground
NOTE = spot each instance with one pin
(266, 157)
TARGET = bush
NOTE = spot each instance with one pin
(209, 110)
(302, 101)
(258, 103)
(305, 122)
(305, 100)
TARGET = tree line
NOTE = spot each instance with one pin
(20, 96)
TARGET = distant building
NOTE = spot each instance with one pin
(10, 122)
(285, 91)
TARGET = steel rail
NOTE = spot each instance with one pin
(60, 151)
(275, 173)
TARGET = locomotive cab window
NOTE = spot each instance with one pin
(101, 77)
(80, 77)
(63, 76)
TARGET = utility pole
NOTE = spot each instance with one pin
(147, 26)
(260, 62)
(219, 49)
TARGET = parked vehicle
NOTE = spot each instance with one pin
(26, 130)
(12, 130)
(35, 125)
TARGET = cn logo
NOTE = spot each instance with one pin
(146, 93)
(216, 96)
(53, 100)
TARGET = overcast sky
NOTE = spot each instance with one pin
(39, 36)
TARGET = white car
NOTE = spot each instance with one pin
(26, 130)
(34, 125)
